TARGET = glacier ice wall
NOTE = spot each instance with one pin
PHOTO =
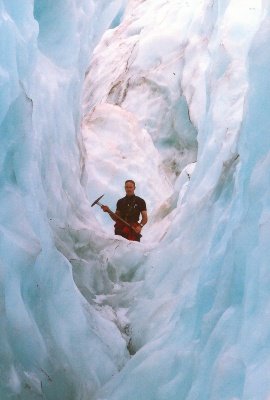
(199, 316)
(51, 338)
(176, 97)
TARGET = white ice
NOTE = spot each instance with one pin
(176, 97)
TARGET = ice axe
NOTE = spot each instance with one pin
(115, 215)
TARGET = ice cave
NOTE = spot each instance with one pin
(173, 94)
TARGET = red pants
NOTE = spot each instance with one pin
(127, 232)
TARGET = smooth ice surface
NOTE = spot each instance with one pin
(176, 96)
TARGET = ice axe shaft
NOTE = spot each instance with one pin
(114, 215)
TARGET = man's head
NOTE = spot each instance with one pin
(130, 187)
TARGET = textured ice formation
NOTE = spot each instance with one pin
(138, 66)
(198, 320)
(54, 344)
(176, 97)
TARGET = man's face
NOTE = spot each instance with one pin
(129, 188)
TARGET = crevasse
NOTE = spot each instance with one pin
(175, 96)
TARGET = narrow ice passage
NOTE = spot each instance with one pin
(176, 97)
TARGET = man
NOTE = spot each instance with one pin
(129, 208)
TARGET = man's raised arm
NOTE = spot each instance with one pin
(106, 209)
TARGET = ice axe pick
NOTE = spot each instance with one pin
(97, 201)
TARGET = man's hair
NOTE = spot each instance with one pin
(131, 181)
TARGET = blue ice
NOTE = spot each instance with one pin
(174, 94)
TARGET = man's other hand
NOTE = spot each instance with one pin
(105, 208)
(138, 228)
